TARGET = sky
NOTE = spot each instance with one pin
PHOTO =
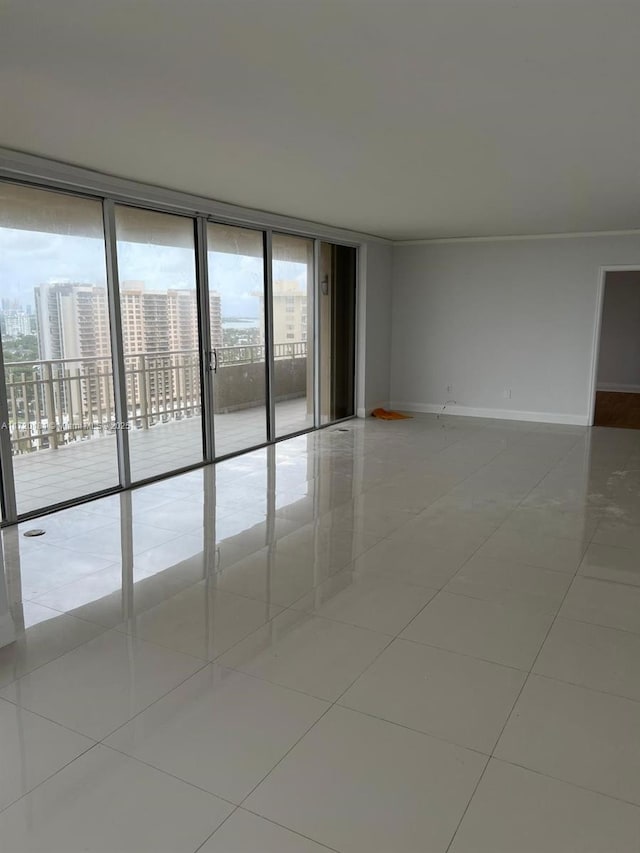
(29, 258)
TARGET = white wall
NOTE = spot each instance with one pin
(374, 326)
(619, 360)
(502, 314)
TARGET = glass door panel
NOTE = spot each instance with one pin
(158, 299)
(292, 333)
(236, 311)
(54, 323)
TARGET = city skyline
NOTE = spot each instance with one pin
(31, 258)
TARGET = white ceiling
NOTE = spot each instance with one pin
(430, 118)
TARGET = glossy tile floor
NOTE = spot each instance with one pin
(406, 637)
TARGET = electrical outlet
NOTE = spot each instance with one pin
(449, 389)
(507, 393)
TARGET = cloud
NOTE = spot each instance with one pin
(29, 258)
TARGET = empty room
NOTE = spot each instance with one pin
(319, 426)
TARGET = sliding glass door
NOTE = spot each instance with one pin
(54, 327)
(236, 320)
(160, 339)
(292, 308)
(135, 343)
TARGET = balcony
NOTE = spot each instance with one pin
(63, 423)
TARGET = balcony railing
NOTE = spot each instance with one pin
(56, 402)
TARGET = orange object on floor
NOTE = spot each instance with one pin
(386, 415)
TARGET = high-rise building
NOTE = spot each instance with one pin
(15, 322)
(72, 323)
(159, 331)
(289, 312)
(72, 320)
(164, 320)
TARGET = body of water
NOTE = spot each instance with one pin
(240, 322)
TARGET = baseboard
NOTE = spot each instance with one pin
(7, 630)
(498, 414)
(618, 387)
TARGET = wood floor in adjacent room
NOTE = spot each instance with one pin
(617, 409)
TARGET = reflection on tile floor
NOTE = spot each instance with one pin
(409, 636)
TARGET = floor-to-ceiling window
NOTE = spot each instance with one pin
(160, 338)
(108, 330)
(54, 323)
(236, 311)
(293, 363)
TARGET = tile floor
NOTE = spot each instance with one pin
(407, 637)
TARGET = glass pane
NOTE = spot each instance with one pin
(54, 321)
(156, 266)
(337, 323)
(293, 332)
(236, 300)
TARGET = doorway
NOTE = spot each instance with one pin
(617, 380)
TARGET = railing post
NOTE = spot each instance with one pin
(47, 377)
(142, 391)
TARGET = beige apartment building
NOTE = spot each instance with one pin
(160, 333)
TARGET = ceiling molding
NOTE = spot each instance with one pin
(570, 235)
(21, 166)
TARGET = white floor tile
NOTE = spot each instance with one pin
(410, 562)
(202, 621)
(105, 542)
(268, 575)
(221, 730)
(50, 566)
(366, 601)
(517, 811)
(591, 739)
(32, 749)
(42, 635)
(546, 552)
(102, 684)
(613, 605)
(308, 653)
(553, 522)
(617, 533)
(361, 785)
(454, 697)
(484, 577)
(440, 530)
(245, 832)
(601, 658)
(509, 631)
(611, 563)
(105, 802)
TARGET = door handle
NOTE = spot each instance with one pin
(214, 363)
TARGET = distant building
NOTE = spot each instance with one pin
(73, 323)
(164, 320)
(15, 322)
(289, 312)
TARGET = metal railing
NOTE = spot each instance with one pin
(55, 402)
(252, 353)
